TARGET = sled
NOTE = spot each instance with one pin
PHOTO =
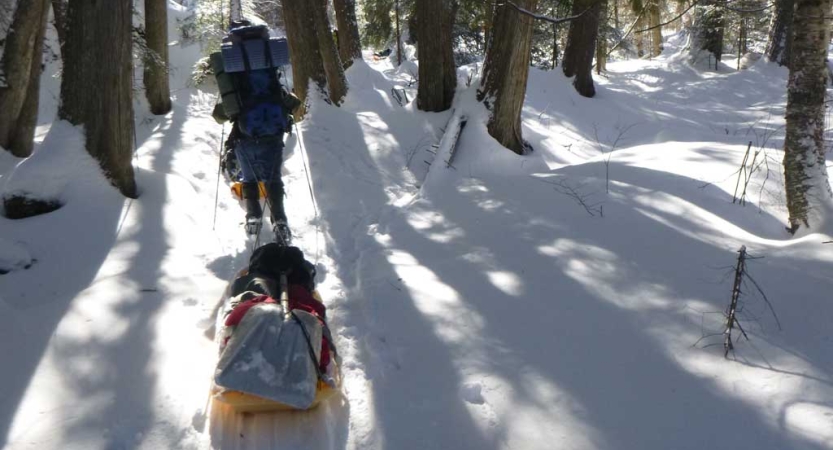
(241, 402)
(273, 353)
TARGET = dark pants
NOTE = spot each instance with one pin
(260, 161)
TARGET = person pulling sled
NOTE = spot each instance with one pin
(259, 107)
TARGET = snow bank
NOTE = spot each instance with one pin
(55, 168)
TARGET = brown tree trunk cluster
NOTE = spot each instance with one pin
(99, 36)
(21, 64)
(313, 51)
(437, 71)
(506, 71)
(349, 46)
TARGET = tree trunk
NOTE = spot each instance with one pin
(155, 79)
(307, 64)
(59, 13)
(780, 32)
(437, 76)
(805, 174)
(397, 11)
(21, 64)
(656, 33)
(333, 70)
(640, 37)
(349, 46)
(97, 82)
(581, 44)
(553, 13)
(489, 25)
(505, 73)
(601, 45)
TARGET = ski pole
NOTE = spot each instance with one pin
(219, 168)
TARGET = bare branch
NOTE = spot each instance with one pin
(543, 17)
(765, 299)
(627, 33)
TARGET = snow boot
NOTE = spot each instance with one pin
(254, 213)
(283, 235)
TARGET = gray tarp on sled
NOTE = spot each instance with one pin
(268, 356)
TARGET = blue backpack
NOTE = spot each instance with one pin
(249, 82)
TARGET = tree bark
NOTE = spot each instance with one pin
(437, 72)
(333, 70)
(489, 23)
(396, 12)
(307, 65)
(805, 174)
(581, 44)
(59, 14)
(780, 33)
(21, 64)
(656, 33)
(155, 79)
(97, 82)
(601, 45)
(506, 71)
(349, 46)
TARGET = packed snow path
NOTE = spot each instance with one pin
(487, 309)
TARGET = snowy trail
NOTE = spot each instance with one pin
(484, 309)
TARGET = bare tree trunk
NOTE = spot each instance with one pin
(581, 44)
(398, 36)
(805, 174)
(21, 64)
(640, 37)
(333, 69)
(780, 32)
(437, 77)
(505, 73)
(307, 64)
(349, 46)
(155, 79)
(96, 86)
(554, 13)
(490, 21)
(59, 13)
(656, 32)
(601, 45)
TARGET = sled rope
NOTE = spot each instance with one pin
(287, 312)
(219, 167)
(311, 193)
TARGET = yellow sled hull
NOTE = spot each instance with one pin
(240, 402)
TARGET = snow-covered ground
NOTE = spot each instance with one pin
(554, 300)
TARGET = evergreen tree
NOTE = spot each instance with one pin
(437, 71)
(20, 70)
(96, 86)
(349, 47)
(581, 45)
(506, 71)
